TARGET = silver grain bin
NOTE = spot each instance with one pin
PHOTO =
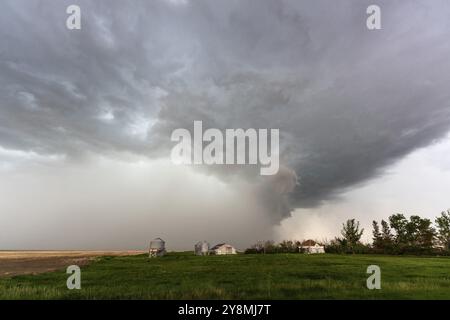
(157, 248)
(201, 248)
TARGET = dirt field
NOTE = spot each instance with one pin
(31, 262)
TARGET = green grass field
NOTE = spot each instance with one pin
(277, 276)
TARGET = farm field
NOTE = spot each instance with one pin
(31, 262)
(278, 276)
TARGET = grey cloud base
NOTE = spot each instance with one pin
(348, 101)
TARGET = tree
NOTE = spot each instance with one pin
(377, 236)
(287, 246)
(386, 234)
(419, 232)
(398, 222)
(425, 234)
(351, 232)
(412, 231)
(382, 239)
(443, 229)
(270, 247)
(415, 232)
(258, 247)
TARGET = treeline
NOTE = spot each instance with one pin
(286, 246)
(396, 235)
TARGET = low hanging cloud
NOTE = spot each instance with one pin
(348, 101)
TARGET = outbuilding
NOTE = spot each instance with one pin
(157, 248)
(222, 248)
(310, 247)
(201, 248)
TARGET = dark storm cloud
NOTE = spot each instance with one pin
(348, 101)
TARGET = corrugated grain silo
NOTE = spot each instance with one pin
(201, 248)
(157, 248)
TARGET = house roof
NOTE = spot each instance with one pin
(309, 242)
(217, 246)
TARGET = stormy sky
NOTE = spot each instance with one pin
(86, 117)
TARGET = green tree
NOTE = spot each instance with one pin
(399, 223)
(288, 246)
(270, 247)
(377, 236)
(416, 232)
(425, 234)
(412, 231)
(443, 229)
(351, 232)
(386, 234)
(419, 232)
(258, 247)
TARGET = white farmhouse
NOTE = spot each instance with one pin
(222, 248)
(310, 246)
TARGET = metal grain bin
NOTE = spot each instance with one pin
(201, 248)
(157, 248)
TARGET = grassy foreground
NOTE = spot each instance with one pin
(277, 276)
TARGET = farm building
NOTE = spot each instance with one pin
(201, 248)
(222, 248)
(310, 246)
(157, 248)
